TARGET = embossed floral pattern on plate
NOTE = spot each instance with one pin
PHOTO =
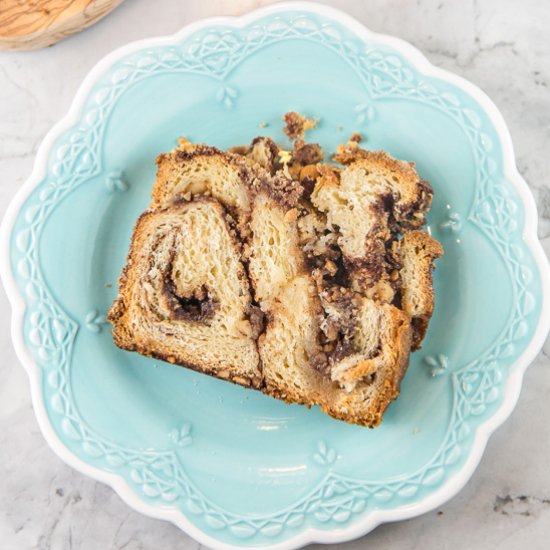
(158, 460)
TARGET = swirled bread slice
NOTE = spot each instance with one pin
(334, 259)
(184, 294)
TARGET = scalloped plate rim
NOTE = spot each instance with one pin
(513, 386)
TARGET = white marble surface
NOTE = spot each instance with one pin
(501, 45)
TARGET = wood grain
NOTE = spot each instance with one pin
(31, 24)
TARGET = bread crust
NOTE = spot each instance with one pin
(417, 252)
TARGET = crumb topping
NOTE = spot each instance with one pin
(297, 125)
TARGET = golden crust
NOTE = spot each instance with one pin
(417, 252)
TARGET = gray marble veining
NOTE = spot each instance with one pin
(501, 45)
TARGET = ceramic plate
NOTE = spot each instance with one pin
(230, 466)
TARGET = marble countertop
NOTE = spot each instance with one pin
(500, 45)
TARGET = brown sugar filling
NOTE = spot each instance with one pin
(198, 306)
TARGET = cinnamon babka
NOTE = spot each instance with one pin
(311, 282)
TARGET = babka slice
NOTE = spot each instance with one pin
(315, 294)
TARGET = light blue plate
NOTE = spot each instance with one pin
(231, 466)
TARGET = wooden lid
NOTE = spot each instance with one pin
(31, 24)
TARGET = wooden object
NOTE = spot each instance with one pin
(32, 24)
